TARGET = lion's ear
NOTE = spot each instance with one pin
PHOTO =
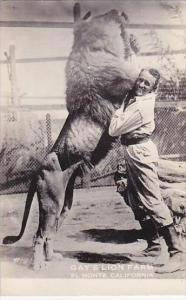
(87, 15)
(76, 12)
(125, 16)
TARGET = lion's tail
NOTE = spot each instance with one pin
(30, 196)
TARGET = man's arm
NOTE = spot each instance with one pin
(125, 121)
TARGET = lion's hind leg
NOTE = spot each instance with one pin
(51, 186)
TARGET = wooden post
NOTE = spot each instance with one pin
(14, 99)
(12, 62)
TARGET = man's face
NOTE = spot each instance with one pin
(144, 83)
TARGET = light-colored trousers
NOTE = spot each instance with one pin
(143, 194)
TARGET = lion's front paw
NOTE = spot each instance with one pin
(180, 225)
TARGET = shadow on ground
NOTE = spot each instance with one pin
(90, 257)
(110, 235)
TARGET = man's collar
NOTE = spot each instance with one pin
(150, 96)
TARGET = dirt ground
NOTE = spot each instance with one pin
(94, 241)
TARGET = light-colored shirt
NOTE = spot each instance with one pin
(137, 118)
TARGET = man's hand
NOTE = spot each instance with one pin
(121, 185)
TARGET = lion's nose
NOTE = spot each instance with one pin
(182, 206)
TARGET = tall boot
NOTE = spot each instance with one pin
(151, 235)
(177, 259)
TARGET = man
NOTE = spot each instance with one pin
(134, 121)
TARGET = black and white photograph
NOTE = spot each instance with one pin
(93, 140)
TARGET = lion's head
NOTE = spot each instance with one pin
(100, 70)
(103, 33)
(176, 201)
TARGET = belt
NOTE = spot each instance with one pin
(135, 140)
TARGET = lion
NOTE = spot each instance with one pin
(176, 202)
(99, 74)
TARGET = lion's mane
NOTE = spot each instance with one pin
(99, 71)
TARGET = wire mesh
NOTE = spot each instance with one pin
(25, 141)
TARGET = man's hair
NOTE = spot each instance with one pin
(155, 73)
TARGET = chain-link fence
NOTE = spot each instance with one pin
(25, 141)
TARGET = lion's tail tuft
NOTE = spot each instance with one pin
(10, 239)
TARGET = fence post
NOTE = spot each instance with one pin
(14, 99)
(13, 79)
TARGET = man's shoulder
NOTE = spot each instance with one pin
(146, 107)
